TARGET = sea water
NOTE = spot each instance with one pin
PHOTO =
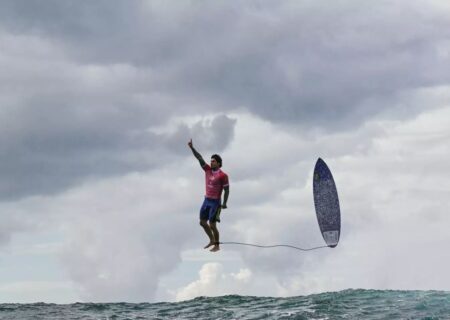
(348, 304)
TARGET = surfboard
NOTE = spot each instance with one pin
(326, 203)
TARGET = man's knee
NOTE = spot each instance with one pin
(203, 223)
(212, 225)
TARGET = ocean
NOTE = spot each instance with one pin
(347, 304)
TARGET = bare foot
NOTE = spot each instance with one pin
(216, 248)
(209, 245)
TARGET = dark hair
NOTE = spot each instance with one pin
(217, 158)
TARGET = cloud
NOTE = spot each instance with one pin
(121, 230)
(393, 198)
(290, 62)
(115, 235)
(99, 101)
(214, 282)
(82, 95)
(120, 241)
(210, 133)
(68, 147)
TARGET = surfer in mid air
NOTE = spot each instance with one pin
(216, 181)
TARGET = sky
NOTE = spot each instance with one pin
(100, 194)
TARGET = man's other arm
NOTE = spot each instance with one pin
(225, 196)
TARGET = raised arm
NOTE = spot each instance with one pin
(196, 154)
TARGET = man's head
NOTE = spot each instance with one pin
(216, 161)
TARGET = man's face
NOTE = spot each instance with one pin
(214, 164)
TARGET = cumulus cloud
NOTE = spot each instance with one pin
(392, 192)
(117, 236)
(214, 282)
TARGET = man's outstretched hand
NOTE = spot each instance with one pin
(190, 144)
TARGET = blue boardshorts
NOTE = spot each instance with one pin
(210, 210)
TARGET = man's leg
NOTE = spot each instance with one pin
(209, 232)
(215, 233)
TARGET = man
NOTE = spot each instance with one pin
(216, 181)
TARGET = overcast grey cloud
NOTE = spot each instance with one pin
(98, 101)
(302, 61)
(84, 82)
